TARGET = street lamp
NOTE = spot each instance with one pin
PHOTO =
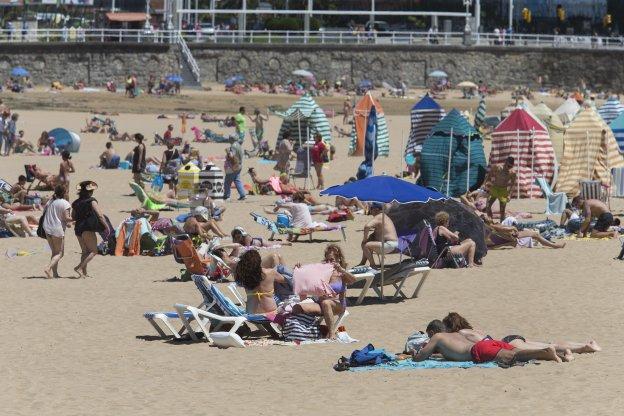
(467, 4)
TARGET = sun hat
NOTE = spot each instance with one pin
(202, 212)
(87, 186)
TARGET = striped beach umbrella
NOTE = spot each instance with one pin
(424, 115)
(524, 137)
(611, 109)
(361, 113)
(587, 153)
(480, 114)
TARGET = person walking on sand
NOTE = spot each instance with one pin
(284, 151)
(346, 110)
(89, 220)
(11, 133)
(233, 167)
(502, 179)
(258, 134)
(138, 160)
(319, 154)
(241, 124)
(56, 218)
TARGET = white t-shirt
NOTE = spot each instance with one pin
(53, 222)
(301, 217)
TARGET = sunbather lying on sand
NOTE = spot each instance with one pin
(240, 236)
(454, 322)
(456, 347)
(499, 235)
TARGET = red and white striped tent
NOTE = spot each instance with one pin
(524, 138)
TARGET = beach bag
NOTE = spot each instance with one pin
(369, 356)
(40, 231)
(301, 328)
(455, 260)
(415, 342)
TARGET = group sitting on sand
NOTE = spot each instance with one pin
(456, 340)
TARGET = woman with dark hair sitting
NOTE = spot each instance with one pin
(259, 282)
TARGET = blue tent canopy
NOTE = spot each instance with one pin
(230, 82)
(174, 78)
(65, 139)
(19, 71)
(427, 103)
(384, 189)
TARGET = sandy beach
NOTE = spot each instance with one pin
(78, 347)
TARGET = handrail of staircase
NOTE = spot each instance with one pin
(188, 56)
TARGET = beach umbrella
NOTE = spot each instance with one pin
(303, 73)
(479, 119)
(467, 84)
(438, 74)
(174, 78)
(19, 71)
(365, 85)
(371, 150)
(384, 190)
(230, 82)
(65, 139)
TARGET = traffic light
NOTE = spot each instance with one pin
(607, 20)
(561, 14)
(526, 15)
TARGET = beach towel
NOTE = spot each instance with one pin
(422, 365)
(313, 280)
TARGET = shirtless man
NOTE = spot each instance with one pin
(258, 121)
(593, 208)
(346, 110)
(456, 347)
(107, 156)
(200, 223)
(502, 180)
(372, 244)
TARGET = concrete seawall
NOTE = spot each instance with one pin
(97, 63)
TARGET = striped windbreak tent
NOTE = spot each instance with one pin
(524, 138)
(302, 117)
(589, 152)
(425, 114)
(611, 110)
(358, 133)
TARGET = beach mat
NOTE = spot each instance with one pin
(422, 365)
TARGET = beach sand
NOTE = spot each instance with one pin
(77, 347)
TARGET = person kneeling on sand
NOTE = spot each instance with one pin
(590, 209)
(455, 347)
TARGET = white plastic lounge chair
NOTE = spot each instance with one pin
(555, 202)
(164, 318)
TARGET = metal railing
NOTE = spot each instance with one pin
(188, 56)
(313, 37)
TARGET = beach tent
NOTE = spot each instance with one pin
(453, 146)
(568, 110)
(617, 127)
(611, 109)
(425, 114)
(587, 153)
(303, 119)
(358, 133)
(554, 125)
(480, 115)
(524, 138)
(65, 139)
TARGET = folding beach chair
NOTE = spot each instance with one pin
(149, 203)
(555, 202)
(594, 190)
(395, 275)
(184, 252)
(302, 168)
(429, 251)
(278, 229)
(617, 175)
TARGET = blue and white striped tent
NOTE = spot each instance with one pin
(303, 117)
(611, 110)
(617, 126)
(425, 114)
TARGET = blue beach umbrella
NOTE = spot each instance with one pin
(384, 189)
(174, 78)
(19, 71)
(65, 139)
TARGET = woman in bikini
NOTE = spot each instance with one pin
(331, 305)
(259, 282)
(65, 169)
(240, 236)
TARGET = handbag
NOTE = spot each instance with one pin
(40, 231)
